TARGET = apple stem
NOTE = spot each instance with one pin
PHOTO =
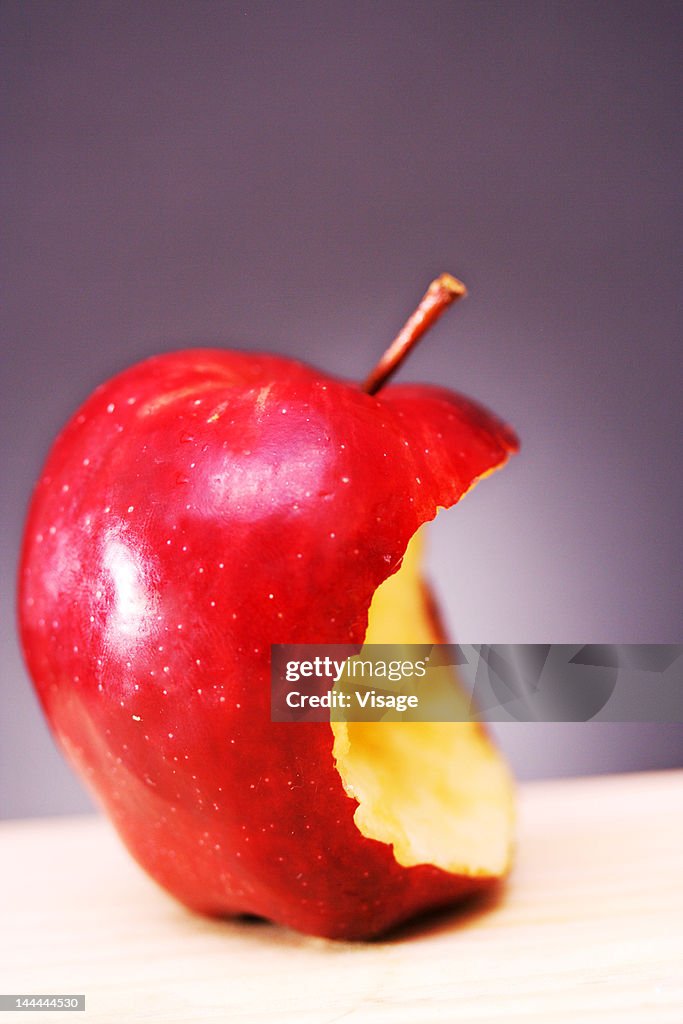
(440, 294)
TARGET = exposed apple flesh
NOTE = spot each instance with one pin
(439, 793)
(197, 508)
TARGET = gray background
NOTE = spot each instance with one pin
(289, 176)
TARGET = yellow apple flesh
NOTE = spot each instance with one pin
(438, 792)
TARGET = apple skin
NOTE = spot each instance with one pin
(199, 507)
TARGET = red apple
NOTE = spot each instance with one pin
(199, 507)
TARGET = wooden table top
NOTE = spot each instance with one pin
(589, 928)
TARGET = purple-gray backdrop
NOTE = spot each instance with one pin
(289, 176)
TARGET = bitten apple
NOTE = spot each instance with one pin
(199, 507)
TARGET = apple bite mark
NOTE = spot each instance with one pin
(439, 793)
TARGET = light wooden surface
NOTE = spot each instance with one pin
(590, 928)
